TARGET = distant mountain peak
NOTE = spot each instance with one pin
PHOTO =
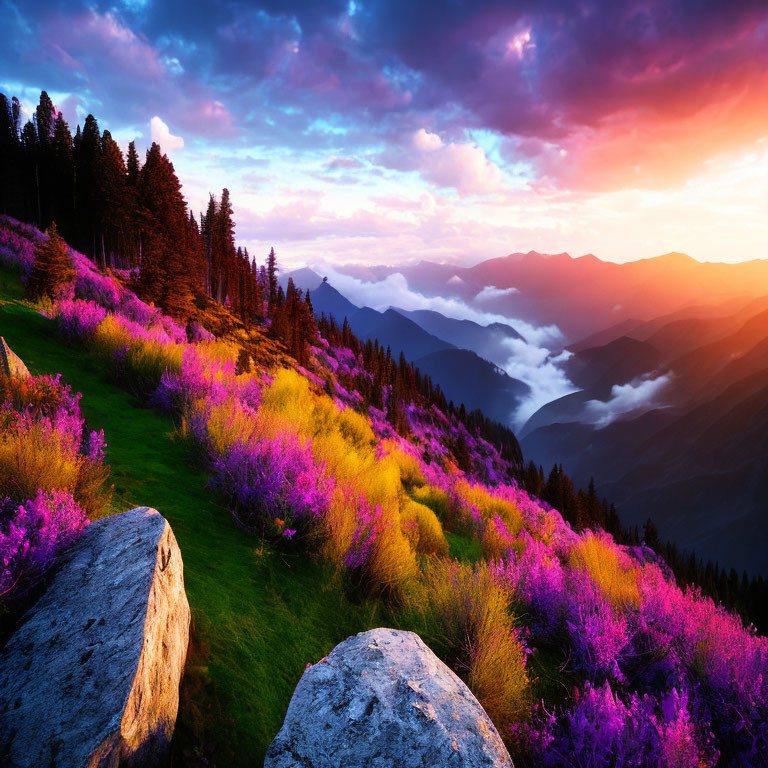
(304, 278)
(676, 257)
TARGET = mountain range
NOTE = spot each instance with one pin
(583, 295)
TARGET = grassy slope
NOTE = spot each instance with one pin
(260, 615)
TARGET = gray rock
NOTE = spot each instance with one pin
(382, 699)
(91, 677)
(10, 363)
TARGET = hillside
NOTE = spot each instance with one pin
(239, 678)
(466, 378)
(488, 341)
(323, 513)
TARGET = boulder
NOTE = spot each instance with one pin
(91, 677)
(382, 699)
(10, 363)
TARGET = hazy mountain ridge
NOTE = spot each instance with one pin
(584, 295)
(698, 457)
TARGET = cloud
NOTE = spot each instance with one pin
(425, 141)
(336, 162)
(541, 371)
(455, 280)
(630, 93)
(491, 292)
(461, 166)
(161, 134)
(632, 397)
(563, 111)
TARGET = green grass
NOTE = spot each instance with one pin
(260, 614)
(466, 549)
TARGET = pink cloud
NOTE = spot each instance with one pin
(460, 166)
(161, 134)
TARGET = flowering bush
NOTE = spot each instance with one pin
(79, 318)
(32, 534)
(52, 478)
(273, 479)
(601, 730)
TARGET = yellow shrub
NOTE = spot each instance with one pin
(410, 469)
(434, 498)
(337, 527)
(37, 457)
(145, 361)
(228, 424)
(392, 568)
(218, 351)
(287, 389)
(490, 505)
(109, 336)
(467, 618)
(289, 397)
(496, 543)
(422, 529)
(618, 581)
(356, 428)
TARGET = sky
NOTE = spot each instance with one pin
(385, 131)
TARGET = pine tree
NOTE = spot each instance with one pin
(206, 226)
(272, 277)
(132, 165)
(112, 211)
(10, 150)
(171, 268)
(45, 117)
(63, 176)
(224, 254)
(52, 268)
(134, 214)
(88, 164)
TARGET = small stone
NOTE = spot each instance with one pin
(10, 363)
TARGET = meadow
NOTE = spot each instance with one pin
(303, 517)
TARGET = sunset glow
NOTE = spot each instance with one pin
(382, 132)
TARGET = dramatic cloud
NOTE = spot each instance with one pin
(622, 129)
(632, 397)
(161, 134)
(460, 166)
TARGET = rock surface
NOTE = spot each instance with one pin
(91, 677)
(10, 363)
(382, 699)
